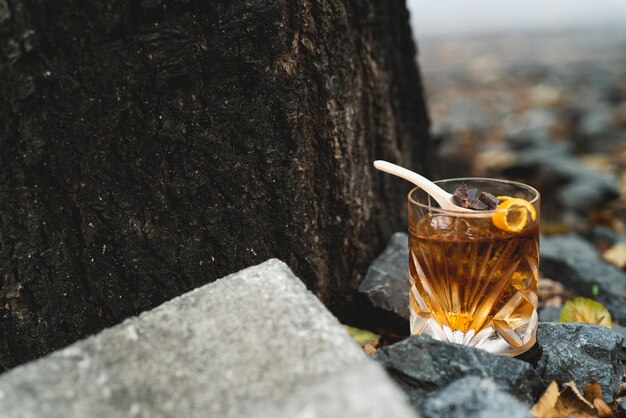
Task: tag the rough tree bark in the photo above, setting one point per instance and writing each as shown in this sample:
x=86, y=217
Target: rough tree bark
x=148, y=147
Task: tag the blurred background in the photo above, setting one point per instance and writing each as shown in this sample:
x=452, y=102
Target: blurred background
x=533, y=91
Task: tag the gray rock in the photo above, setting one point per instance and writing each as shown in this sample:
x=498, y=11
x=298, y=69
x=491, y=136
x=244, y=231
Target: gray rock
x=538, y=118
x=572, y=169
x=531, y=138
x=473, y=397
x=466, y=114
x=587, y=187
x=597, y=121
x=421, y=365
x=621, y=331
x=581, y=275
x=580, y=352
x=386, y=283
x=584, y=187
x=583, y=195
x=549, y=314
x=533, y=157
x=570, y=245
x=251, y=342
x=605, y=236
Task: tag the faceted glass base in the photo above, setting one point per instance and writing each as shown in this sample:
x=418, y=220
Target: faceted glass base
x=496, y=337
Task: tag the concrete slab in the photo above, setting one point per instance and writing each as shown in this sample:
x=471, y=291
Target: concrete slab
x=255, y=343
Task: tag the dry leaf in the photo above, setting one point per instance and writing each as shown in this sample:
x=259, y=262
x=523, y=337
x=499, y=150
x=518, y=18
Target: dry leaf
x=574, y=389
x=556, y=301
x=593, y=393
x=603, y=409
x=551, y=292
x=601, y=162
x=606, y=218
x=555, y=228
x=593, y=390
x=493, y=160
x=545, y=406
x=369, y=349
x=548, y=287
x=616, y=255
x=572, y=402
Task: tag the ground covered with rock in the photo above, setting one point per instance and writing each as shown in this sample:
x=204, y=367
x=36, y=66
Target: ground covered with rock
x=431, y=372
x=555, y=120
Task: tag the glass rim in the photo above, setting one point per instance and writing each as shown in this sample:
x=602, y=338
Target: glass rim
x=481, y=213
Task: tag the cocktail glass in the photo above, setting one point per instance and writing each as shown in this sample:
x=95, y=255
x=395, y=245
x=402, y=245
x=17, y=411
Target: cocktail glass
x=474, y=282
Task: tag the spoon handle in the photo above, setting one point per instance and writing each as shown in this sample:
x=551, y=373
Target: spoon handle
x=441, y=196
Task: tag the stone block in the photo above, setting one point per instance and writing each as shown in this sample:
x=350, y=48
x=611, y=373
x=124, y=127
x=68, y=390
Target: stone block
x=251, y=342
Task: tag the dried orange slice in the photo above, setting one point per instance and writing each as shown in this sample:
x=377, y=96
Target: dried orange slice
x=512, y=214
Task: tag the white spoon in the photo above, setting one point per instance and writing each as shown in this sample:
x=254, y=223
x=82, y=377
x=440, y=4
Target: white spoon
x=442, y=197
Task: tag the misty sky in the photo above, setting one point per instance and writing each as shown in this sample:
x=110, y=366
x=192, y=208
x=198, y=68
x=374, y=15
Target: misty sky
x=436, y=17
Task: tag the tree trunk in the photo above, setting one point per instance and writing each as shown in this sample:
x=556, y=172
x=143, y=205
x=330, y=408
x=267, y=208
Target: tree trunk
x=149, y=147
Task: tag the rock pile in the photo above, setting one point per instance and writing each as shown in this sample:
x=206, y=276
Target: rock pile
x=448, y=380
x=569, y=259
x=422, y=365
x=581, y=353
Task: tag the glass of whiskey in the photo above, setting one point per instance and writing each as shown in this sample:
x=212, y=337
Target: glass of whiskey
x=474, y=274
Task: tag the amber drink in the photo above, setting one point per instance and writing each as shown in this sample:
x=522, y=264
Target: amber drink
x=474, y=275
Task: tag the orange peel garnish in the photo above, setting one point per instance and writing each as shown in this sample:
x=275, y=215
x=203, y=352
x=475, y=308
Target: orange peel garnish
x=520, y=207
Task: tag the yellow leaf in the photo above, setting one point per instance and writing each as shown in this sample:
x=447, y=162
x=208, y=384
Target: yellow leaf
x=585, y=310
x=361, y=336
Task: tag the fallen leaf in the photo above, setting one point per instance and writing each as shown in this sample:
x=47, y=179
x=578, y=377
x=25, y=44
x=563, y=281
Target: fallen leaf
x=574, y=389
x=545, y=406
x=601, y=162
x=616, y=255
x=556, y=301
x=572, y=402
x=369, y=349
x=603, y=409
x=593, y=390
x=585, y=310
x=551, y=292
x=493, y=160
x=593, y=393
x=606, y=218
x=555, y=228
x=362, y=336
